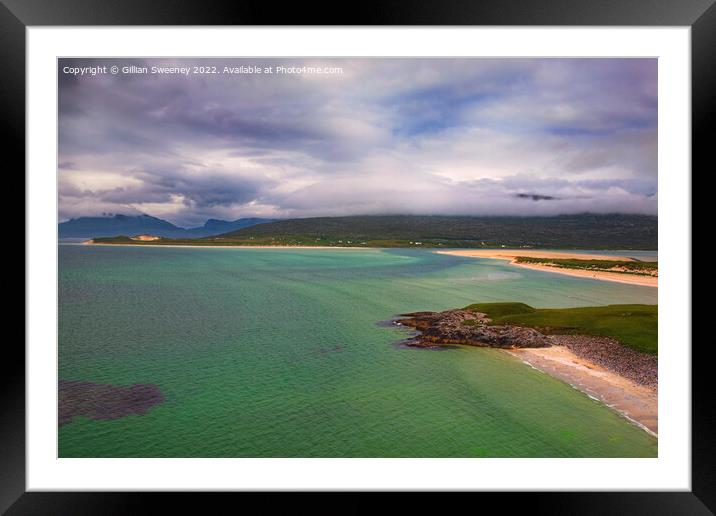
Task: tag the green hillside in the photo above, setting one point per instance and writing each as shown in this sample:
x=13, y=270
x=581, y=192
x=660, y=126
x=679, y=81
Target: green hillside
x=635, y=326
x=566, y=231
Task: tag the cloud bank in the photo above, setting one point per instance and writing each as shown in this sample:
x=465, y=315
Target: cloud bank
x=413, y=136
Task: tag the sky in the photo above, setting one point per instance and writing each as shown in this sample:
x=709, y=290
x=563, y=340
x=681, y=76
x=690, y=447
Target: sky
x=364, y=136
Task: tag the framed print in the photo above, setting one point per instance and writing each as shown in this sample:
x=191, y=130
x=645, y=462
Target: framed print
x=439, y=250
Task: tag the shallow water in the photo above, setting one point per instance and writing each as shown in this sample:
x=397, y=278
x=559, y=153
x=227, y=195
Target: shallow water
x=277, y=353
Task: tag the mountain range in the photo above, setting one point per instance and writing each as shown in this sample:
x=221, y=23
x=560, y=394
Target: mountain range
x=131, y=225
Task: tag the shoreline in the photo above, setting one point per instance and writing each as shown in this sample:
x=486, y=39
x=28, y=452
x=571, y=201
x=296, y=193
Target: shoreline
x=637, y=403
x=617, y=376
x=510, y=256
x=225, y=246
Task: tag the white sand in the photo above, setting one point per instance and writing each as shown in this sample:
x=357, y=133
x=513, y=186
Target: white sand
x=637, y=403
x=511, y=254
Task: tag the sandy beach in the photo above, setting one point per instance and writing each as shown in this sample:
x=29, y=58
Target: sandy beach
x=638, y=403
x=624, y=379
x=511, y=254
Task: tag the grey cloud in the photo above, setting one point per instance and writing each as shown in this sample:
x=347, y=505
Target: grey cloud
x=536, y=197
x=413, y=135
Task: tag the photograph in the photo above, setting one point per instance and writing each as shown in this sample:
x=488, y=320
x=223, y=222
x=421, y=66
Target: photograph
x=357, y=257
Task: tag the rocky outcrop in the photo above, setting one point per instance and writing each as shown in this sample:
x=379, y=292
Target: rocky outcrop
x=468, y=328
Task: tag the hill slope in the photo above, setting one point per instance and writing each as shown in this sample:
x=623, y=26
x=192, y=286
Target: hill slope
x=216, y=226
x=86, y=227
x=565, y=231
x=130, y=225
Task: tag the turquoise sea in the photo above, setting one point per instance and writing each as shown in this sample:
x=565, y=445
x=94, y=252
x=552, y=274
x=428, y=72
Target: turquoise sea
x=279, y=353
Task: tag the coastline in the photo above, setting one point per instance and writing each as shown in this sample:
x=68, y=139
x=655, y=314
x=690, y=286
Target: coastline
x=609, y=372
x=637, y=403
x=510, y=255
x=227, y=246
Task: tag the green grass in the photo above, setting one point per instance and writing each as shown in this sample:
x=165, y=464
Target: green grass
x=635, y=326
x=494, y=310
x=631, y=267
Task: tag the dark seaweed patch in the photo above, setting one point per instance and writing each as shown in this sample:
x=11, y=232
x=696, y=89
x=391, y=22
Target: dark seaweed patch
x=103, y=401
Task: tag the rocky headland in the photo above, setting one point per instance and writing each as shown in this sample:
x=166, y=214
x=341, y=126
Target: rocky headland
x=468, y=328
x=622, y=378
x=471, y=328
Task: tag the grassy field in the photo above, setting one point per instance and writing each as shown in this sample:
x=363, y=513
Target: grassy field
x=634, y=326
x=620, y=266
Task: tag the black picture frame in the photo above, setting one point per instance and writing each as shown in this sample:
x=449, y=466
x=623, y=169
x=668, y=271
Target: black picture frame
x=16, y=15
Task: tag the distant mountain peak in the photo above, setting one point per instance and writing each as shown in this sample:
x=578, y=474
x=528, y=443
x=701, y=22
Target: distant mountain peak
x=118, y=224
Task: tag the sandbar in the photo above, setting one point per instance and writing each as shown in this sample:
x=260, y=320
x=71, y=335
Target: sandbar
x=210, y=246
x=511, y=254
